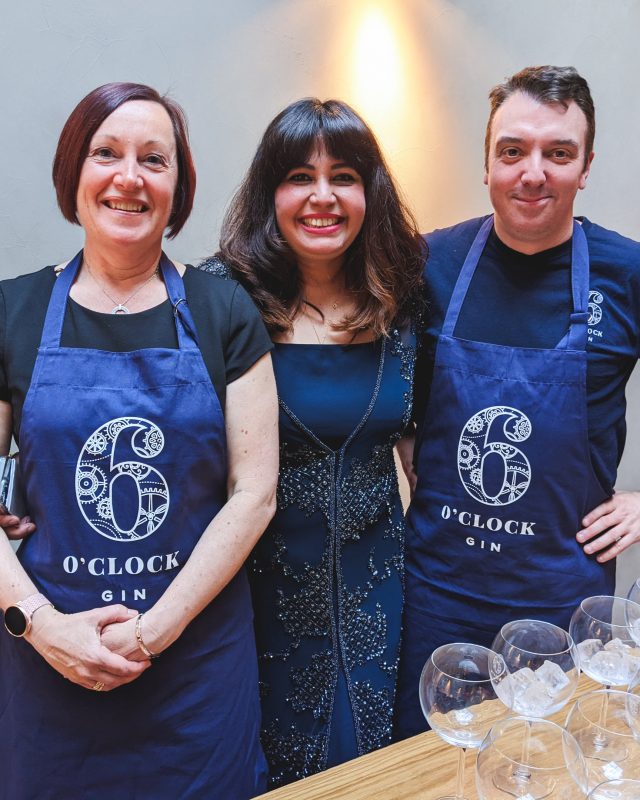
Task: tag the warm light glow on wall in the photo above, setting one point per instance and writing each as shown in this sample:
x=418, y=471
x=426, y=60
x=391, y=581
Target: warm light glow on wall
x=382, y=58
x=377, y=66
x=388, y=82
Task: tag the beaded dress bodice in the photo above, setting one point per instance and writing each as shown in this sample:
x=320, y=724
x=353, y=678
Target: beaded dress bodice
x=327, y=575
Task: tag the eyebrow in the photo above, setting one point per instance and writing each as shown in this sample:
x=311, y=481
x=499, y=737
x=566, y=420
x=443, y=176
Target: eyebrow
x=337, y=165
x=567, y=142
x=148, y=143
x=554, y=143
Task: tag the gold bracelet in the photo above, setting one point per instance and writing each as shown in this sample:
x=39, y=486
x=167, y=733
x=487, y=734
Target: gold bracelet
x=141, y=643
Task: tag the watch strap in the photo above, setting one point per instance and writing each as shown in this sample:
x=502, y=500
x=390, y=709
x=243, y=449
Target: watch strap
x=20, y=625
x=32, y=603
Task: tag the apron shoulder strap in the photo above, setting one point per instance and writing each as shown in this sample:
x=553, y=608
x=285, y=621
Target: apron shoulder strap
x=185, y=326
x=576, y=338
x=54, y=319
x=465, y=276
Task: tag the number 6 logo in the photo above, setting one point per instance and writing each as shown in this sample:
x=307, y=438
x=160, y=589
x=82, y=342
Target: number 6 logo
x=475, y=446
x=595, y=308
x=97, y=473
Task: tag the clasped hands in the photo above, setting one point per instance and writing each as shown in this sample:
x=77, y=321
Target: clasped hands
x=96, y=648
x=90, y=648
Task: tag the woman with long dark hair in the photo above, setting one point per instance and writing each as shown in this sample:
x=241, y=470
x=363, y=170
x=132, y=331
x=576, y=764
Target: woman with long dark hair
x=321, y=240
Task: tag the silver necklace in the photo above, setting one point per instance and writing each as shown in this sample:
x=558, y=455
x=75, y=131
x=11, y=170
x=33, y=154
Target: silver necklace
x=121, y=307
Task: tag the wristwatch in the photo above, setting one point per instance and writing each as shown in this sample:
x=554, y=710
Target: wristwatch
x=17, y=618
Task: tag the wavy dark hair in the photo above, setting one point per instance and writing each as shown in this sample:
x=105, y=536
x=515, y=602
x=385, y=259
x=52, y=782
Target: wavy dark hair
x=384, y=263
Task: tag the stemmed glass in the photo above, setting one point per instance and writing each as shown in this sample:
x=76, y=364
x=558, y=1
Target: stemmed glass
x=619, y=756
x=541, y=672
x=606, y=631
x=553, y=760
x=458, y=699
x=616, y=790
x=534, y=673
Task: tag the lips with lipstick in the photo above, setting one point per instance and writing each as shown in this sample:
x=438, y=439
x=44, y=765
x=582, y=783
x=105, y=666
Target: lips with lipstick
x=126, y=205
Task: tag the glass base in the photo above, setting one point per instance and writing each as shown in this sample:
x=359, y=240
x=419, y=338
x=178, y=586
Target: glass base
x=521, y=783
x=597, y=745
x=453, y=797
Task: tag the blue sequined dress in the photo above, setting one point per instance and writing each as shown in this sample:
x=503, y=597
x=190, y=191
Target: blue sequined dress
x=327, y=576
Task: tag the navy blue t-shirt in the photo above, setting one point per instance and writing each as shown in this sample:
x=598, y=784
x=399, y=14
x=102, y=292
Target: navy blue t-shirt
x=525, y=301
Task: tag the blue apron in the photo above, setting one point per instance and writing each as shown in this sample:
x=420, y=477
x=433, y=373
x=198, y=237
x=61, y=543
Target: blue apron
x=124, y=460
x=504, y=480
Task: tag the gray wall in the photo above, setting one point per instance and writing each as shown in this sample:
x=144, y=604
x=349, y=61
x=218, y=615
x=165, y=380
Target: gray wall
x=419, y=70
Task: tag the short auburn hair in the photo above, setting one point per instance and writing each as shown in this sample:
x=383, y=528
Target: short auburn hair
x=84, y=121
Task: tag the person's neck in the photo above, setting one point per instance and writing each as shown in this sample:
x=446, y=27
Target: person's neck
x=322, y=282
x=531, y=246
x=122, y=264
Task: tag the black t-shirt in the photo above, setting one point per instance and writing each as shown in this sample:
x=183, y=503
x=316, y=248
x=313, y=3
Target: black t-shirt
x=231, y=335
x=525, y=301
x=504, y=282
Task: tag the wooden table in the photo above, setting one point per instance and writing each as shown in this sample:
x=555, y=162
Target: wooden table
x=420, y=768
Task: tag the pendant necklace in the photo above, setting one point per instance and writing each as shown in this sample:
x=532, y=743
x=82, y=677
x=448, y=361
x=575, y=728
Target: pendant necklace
x=121, y=307
x=334, y=307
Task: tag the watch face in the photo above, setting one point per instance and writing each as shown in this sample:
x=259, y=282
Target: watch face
x=15, y=621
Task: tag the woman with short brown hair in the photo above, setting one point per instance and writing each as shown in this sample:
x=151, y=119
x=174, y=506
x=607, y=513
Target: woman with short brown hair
x=130, y=382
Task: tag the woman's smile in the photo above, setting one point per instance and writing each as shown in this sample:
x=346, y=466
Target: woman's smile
x=320, y=207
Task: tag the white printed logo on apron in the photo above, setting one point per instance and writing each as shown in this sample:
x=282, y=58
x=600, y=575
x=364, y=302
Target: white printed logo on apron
x=97, y=473
x=595, y=310
x=595, y=333
x=480, y=439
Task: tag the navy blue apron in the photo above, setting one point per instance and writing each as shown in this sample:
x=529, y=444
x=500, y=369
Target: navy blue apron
x=125, y=464
x=504, y=480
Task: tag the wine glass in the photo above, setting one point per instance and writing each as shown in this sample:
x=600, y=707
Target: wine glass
x=606, y=631
x=458, y=699
x=534, y=673
x=541, y=673
x=616, y=790
x=552, y=761
x=615, y=753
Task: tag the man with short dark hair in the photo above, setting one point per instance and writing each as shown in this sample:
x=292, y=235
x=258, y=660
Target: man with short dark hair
x=533, y=332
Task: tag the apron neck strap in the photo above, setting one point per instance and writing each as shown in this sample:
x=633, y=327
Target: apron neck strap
x=576, y=337
x=465, y=276
x=185, y=326
x=54, y=319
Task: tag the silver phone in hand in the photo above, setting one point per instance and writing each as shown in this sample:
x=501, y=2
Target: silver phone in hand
x=11, y=495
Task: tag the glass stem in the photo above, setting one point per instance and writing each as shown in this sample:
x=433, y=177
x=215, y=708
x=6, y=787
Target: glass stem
x=460, y=777
x=600, y=739
x=522, y=773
